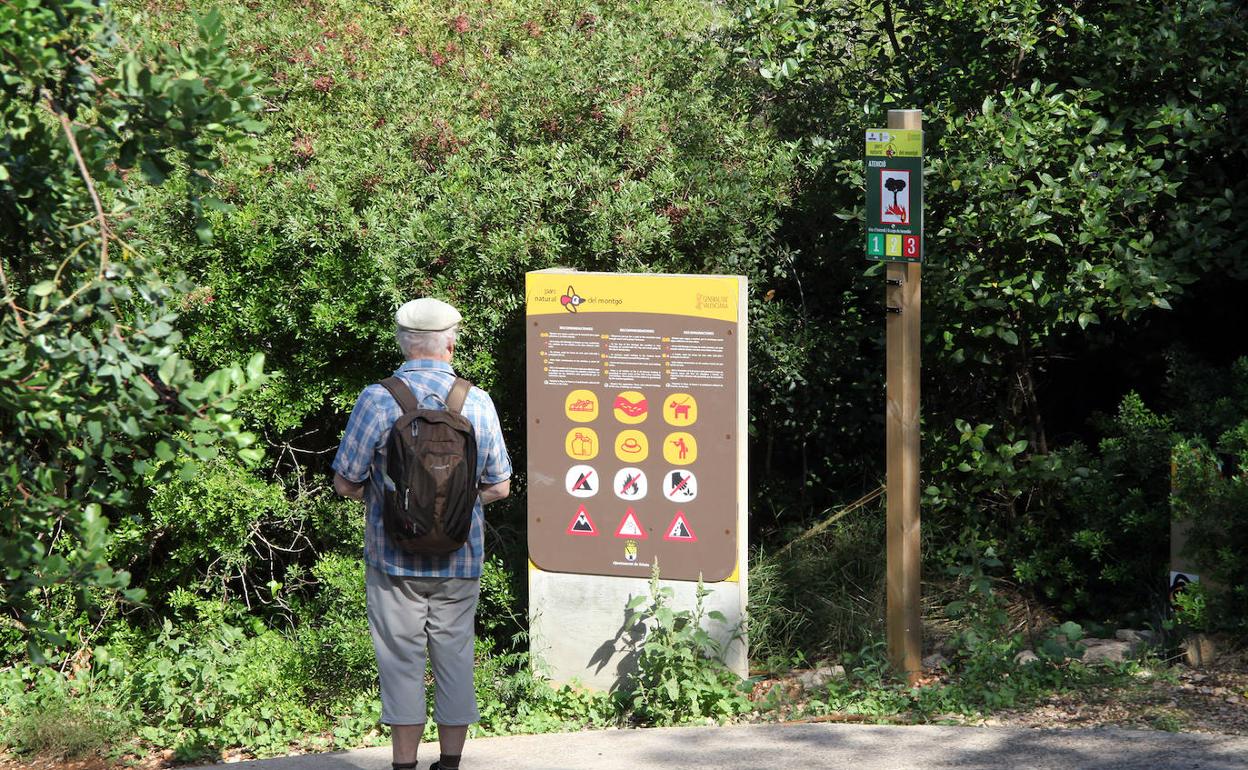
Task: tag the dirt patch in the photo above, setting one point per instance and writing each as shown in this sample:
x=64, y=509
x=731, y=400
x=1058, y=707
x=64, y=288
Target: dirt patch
x=1180, y=699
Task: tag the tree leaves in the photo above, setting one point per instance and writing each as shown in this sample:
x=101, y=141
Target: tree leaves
x=94, y=403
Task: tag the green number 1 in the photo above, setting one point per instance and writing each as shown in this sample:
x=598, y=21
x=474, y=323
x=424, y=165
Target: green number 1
x=875, y=245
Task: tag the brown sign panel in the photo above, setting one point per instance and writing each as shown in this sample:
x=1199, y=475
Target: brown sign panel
x=634, y=398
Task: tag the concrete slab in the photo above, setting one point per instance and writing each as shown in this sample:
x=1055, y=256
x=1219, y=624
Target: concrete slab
x=863, y=747
x=577, y=631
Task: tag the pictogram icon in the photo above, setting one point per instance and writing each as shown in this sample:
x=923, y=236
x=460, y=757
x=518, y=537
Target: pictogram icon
x=680, y=409
x=680, y=448
x=631, y=407
x=581, y=444
x=582, y=524
x=630, y=484
x=581, y=481
x=680, y=530
x=581, y=406
x=680, y=486
x=632, y=446
x=630, y=527
x=895, y=210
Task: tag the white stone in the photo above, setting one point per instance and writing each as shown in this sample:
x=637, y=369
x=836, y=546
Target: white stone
x=1025, y=657
x=1106, y=651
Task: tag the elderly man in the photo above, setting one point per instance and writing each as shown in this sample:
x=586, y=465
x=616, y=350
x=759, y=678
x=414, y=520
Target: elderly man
x=418, y=603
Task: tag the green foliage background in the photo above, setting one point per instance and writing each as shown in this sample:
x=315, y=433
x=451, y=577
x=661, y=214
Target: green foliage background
x=1086, y=191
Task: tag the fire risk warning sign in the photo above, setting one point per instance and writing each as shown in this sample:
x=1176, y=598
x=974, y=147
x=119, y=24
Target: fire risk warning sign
x=894, y=174
x=634, y=422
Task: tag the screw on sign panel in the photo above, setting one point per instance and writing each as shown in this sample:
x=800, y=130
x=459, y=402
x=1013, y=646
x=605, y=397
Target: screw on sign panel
x=630, y=527
x=680, y=529
x=582, y=524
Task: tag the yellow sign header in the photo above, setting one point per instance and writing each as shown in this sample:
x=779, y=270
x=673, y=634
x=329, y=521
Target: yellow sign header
x=894, y=142
x=700, y=296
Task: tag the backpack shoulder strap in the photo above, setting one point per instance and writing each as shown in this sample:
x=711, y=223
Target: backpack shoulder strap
x=403, y=394
x=459, y=393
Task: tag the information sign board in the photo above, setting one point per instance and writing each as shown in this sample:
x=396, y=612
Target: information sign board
x=634, y=417
x=894, y=172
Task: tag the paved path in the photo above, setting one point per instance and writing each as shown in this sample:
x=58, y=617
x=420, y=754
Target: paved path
x=798, y=747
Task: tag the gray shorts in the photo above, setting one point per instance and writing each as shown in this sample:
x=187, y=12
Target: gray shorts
x=406, y=615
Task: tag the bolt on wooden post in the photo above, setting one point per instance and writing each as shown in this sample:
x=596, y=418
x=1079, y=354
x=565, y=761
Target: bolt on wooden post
x=894, y=173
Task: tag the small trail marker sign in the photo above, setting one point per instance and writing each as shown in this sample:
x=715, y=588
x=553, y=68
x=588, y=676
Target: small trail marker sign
x=894, y=172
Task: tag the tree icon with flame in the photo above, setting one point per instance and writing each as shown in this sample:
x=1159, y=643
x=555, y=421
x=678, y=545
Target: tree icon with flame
x=895, y=185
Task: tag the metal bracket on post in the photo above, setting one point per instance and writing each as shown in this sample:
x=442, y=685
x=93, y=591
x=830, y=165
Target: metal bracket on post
x=891, y=309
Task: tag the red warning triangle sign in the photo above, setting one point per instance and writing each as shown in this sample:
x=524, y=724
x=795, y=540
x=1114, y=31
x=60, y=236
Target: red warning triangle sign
x=630, y=527
x=582, y=524
x=679, y=529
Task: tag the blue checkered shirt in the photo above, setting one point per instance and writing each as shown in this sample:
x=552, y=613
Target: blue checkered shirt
x=362, y=455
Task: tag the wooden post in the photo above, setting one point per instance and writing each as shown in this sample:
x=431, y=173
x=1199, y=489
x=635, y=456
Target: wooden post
x=903, y=292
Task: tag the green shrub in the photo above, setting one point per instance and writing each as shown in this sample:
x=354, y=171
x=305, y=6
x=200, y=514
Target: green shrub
x=216, y=689
x=334, y=655
x=513, y=699
x=1215, y=506
x=46, y=714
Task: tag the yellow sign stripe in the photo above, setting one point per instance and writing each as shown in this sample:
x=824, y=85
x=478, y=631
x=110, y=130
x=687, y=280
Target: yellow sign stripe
x=570, y=293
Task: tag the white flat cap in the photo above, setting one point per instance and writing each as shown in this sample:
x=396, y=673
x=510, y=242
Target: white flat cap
x=427, y=315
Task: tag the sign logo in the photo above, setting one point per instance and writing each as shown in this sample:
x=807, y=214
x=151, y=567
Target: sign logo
x=630, y=527
x=631, y=407
x=581, y=481
x=571, y=300
x=680, y=530
x=582, y=524
x=630, y=550
x=630, y=484
x=680, y=486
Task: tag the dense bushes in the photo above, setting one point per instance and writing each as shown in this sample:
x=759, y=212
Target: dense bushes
x=1084, y=185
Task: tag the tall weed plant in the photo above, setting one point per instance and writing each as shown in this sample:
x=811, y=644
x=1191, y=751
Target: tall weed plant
x=679, y=673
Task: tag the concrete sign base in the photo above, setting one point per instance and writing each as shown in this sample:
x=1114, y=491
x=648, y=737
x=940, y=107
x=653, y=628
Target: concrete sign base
x=577, y=631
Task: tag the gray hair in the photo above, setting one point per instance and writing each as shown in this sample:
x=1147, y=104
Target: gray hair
x=420, y=344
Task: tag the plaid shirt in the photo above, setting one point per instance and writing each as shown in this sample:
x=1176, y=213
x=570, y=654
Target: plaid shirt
x=362, y=455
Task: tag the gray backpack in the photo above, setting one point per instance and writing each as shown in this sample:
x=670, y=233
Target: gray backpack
x=431, y=473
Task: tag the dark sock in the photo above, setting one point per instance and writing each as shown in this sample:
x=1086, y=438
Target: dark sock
x=449, y=761
x=403, y=765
